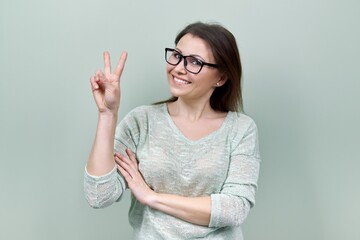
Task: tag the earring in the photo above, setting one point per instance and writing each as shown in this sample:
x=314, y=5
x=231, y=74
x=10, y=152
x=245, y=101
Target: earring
x=217, y=84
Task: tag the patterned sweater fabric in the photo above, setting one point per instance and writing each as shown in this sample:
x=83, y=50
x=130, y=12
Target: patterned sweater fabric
x=223, y=165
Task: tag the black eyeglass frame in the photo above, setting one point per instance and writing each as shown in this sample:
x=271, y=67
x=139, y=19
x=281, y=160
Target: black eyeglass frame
x=185, y=61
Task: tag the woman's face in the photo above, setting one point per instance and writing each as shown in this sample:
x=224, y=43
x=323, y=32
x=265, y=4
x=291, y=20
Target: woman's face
x=187, y=85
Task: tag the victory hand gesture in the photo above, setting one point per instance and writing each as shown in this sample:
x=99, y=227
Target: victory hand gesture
x=106, y=85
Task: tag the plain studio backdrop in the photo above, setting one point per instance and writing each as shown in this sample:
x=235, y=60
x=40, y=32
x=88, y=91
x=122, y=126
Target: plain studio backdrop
x=301, y=85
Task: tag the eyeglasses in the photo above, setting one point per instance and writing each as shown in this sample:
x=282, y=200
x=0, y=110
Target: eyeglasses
x=191, y=63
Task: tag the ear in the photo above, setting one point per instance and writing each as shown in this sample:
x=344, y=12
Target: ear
x=221, y=81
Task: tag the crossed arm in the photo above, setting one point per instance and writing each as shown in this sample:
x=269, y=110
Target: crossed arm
x=196, y=210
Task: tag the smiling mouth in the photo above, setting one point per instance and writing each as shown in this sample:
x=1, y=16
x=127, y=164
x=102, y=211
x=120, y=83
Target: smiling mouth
x=177, y=80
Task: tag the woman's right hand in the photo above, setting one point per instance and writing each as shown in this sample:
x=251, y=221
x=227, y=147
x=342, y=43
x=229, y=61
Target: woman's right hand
x=106, y=85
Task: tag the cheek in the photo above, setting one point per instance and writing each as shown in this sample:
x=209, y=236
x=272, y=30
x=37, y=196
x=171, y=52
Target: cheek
x=169, y=68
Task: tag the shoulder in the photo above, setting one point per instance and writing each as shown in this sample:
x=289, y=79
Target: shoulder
x=144, y=111
x=141, y=116
x=242, y=122
x=244, y=135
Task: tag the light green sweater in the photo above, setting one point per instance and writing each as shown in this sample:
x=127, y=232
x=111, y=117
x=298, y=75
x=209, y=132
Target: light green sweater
x=223, y=165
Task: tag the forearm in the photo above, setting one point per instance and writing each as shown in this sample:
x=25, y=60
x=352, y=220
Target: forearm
x=196, y=210
x=101, y=159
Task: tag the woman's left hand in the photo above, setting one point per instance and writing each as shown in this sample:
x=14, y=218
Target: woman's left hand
x=195, y=210
x=128, y=167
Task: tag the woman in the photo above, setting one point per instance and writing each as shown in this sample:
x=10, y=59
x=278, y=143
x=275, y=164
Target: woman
x=191, y=162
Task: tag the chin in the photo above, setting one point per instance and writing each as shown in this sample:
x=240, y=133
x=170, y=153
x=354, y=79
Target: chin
x=175, y=92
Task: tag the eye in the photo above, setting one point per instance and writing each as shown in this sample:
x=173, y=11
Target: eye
x=194, y=61
x=177, y=55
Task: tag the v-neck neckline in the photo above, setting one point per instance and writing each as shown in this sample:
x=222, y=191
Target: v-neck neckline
x=182, y=135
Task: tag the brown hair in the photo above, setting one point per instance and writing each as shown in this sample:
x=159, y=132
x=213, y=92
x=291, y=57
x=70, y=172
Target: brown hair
x=226, y=54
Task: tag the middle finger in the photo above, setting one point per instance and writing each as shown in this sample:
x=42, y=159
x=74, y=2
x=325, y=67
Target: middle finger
x=122, y=159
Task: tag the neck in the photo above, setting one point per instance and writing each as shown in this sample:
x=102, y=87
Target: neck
x=191, y=110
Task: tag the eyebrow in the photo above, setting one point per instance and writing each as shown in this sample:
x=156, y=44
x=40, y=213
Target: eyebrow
x=192, y=55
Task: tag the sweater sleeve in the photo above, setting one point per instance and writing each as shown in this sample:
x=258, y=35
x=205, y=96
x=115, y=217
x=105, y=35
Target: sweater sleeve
x=102, y=191
x=231, y=206
x=128, y=132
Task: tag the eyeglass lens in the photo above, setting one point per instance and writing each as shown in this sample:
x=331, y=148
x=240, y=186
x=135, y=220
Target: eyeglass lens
x=192, y=64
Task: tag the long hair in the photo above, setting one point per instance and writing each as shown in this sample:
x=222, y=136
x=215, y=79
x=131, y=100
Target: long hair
x=228, y=97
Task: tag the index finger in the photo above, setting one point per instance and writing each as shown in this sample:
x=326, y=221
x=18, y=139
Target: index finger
x=107, y=65
x=120, y=66
x=131, y=155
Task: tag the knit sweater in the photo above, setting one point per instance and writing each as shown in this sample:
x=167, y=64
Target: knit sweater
x=223, y=165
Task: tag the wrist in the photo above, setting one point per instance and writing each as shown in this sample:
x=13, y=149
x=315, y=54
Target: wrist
x=152, y=200
x=108, y=115
x=108, y=119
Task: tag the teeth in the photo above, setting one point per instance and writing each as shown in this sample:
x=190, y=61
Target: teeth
x=181, y=81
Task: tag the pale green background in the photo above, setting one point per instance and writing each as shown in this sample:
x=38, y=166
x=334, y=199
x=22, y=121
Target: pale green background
x=301, y=85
